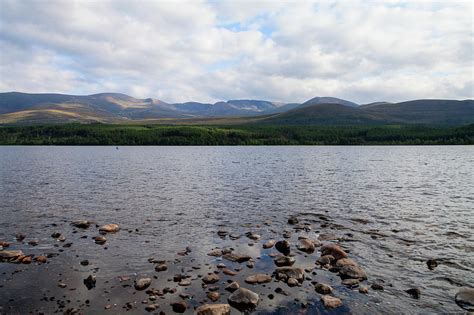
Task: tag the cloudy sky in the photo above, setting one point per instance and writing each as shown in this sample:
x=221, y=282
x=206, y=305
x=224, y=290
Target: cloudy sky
x=177, y=51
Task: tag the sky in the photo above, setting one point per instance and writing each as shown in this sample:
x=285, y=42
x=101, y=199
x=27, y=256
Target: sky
x=285, y=51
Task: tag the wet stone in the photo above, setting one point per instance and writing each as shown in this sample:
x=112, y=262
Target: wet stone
x=351, y=283
x=213, y=296
x=285, y=273
x=212, y=278
x=306, y=245
x=236, y=257
x=325, y=260
x=333, y=250
x=283, y=247
x=161, y=267
x=377, y=287
x=352, y=272
x=258, y=278
x=432, y=264
x=363, y=290
x=414, y=292
x=323, y=288
x=179, y=307
x=229, y=272
x=142, y=284
x=269, y=244
x=330, y=301
x=284, y=261
x=243, y=299
x=90, y=282
x=109, y=228
x=232, y=286
x=213, y=309
x=464, y=298
x=82, y=224
x=84, y=262
x=99, y=239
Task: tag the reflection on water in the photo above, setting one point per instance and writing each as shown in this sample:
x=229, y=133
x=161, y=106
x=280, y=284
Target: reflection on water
x=395, y=207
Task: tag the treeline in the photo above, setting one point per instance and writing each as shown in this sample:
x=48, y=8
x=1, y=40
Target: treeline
x=100, y=134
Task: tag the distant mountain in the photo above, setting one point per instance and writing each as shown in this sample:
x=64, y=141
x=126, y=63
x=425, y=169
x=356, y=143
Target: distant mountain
x=437, y=112
x=328, y=100
x=18, y=107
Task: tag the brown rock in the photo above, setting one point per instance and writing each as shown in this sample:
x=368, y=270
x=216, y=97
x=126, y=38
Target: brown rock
x=41, y=259
x=283, y=247
x=229, y=272
x=161, y=267
x=213, y=309
x=330, y=301
x=363, y=289
x=6, y=255
x=258, y=278
x=4, y=244
x=323, y=288
x=179, y=307
x=292, y=282
x=236, y=257
x=212, y=278
x=243, y=299
x=284, y=261
x=232, y=286
x=26, y=260
x=333, y=250
x=352, y=272
x=464, y=298
x=215, y=253
x=109, y=228
x=285, y=273
x=99, y=239
x=213, y=296
x=345, y=262
x=185, y=282
x=142, y=284
x=306, y=245
x=269, y=244
x=325, y=260
x=82, y=224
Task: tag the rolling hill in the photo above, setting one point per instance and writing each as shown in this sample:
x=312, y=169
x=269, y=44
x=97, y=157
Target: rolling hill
x=24, y=108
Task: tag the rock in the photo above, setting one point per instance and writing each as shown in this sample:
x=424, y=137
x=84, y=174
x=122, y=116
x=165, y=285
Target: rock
x=306, y=245
x=33, y=243
x=142, y=284
x=161, y=267
x=6, y=255
x=258, y=278
x=352, y=272
x=236, y=257
x=213, y=296
x=330, y=301
x=232, y=286
x=26, y=260
x=285, y=273
x=292, y=220
x=41, y=259
x=90, y=282
x=323, y=288
x=377, y=287
x=292, y=282
x=269, y=244
x=61, y=238
x=284, y=261
x=325, y=260
x=253, y=236
x=363, y=289
x=283, y=247
x=351, y=283
x=432, y=264
x=222, y=233
x=185, y=282
x=4, y=244
x=229, y=272
x=151, y=307
x=179, y=307
x=55, y=235
x=212, y=278
x=215, y=253
x=345, y=262
x=465, y=299
x=82, y=224
x=99, y=239
x=20, y=237
x=84, y=262
x=109, y=228
x=250, y=264
x=243, y=299
x=333, y=250
x=414, y=292
x=213, y=309
x=62, y=285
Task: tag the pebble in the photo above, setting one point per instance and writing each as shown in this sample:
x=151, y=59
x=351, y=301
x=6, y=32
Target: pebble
x=377, y=287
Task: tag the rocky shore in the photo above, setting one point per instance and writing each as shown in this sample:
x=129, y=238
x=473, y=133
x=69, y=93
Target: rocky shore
x=302, y=270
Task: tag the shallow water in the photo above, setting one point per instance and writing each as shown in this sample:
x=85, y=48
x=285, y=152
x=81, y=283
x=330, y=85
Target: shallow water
x=394, y=207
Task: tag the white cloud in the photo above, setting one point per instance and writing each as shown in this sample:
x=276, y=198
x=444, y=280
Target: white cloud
x=207, y=51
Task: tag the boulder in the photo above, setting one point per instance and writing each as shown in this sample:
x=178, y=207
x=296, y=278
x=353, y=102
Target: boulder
x=283, y=247
x=323, y=288
x=213, y=309
x=243, y=299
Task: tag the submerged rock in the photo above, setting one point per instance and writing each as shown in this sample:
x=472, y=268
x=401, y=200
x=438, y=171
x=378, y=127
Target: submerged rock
x=306, y=245
x=325, y=260
x=7, y=255
x=243, y=299
x=323, y=288
x=432, y=264
x=293, y=220
x=215, y=253
x=161, y=267
x=82, y=224
x=179, y=307
x=213, y=296
x=465, y=299
x=236, y=257
x=142, y=284
x=363, y=289
x=213, y=309
x=109, y=228
x=41, y=259
x=414, y=292
x=330, y=301
x=90, y=282
x=258, y=278
x=253, y=236
x=212, y=278
x=333, y=250
x=99, y=239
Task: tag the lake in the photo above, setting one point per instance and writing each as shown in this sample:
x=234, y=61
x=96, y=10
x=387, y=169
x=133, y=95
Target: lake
x=392, y=208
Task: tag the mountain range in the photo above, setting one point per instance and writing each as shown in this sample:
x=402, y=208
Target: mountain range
x=18, y=108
